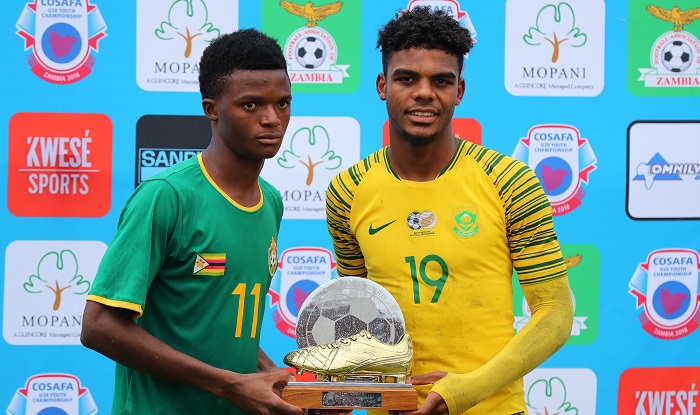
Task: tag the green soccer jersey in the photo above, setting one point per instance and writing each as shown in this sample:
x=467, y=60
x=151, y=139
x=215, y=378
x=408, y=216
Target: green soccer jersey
x=194, y=267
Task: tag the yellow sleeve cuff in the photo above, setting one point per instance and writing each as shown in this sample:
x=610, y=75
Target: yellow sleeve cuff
x=442, y=388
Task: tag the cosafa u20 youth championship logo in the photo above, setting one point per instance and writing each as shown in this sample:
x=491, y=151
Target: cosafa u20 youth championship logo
x=63, y=37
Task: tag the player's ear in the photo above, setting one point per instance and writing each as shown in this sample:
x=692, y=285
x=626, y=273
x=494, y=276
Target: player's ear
x=209, y=107
x=381, y=86
x=461, y=87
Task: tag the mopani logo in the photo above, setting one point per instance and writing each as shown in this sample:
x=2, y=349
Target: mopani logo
x=60, y=164
x=315, y=150
x=46, y=283
x=62, y=34
x=186, y=21
x=565, y=48
x=57, y=272
x=310, y=147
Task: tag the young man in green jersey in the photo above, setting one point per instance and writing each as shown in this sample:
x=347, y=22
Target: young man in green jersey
x=179, y=296
x=441, y=223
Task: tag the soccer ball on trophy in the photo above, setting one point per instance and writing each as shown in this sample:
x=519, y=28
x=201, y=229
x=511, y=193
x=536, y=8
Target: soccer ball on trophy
x=677, y=56
x=310, y=52
x=344, y=307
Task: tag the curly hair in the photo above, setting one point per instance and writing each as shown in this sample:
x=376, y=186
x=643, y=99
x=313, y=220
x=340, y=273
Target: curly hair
x=424, y=29
x=247, y=49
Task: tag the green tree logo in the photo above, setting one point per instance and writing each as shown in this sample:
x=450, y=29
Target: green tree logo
x=57, y=272
x=556, y=25
x=187, y=19
x=548, y=397
x=310, y=147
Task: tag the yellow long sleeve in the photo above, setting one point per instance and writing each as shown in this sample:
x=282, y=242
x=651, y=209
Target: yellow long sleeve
x=547, y=331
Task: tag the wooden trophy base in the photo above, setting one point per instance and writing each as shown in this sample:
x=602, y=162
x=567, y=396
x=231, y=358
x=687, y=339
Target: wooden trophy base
x=351, y=395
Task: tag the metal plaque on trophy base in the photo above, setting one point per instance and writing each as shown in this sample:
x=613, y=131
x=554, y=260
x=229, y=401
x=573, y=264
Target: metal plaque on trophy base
x=354, y=395
x=351, y=334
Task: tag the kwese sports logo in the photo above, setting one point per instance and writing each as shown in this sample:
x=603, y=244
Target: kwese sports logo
x=62, y=36
x=59, y=165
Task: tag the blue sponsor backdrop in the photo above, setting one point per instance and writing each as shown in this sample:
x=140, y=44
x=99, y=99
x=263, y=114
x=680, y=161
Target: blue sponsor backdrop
x=600, y=219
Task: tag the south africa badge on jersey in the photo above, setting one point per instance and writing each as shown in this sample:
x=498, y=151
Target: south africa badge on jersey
x=272, y=256
x=466, y=222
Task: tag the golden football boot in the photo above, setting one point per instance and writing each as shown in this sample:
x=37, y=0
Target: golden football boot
x=358, y=356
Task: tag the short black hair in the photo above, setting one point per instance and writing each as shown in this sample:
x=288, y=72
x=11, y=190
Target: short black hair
x=424, y=29
x=247, y=49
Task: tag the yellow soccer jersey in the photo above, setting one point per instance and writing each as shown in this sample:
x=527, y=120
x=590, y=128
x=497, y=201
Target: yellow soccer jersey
x=445, y=249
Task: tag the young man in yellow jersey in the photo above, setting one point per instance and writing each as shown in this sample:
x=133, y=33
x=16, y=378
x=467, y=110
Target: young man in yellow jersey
x=441, y=223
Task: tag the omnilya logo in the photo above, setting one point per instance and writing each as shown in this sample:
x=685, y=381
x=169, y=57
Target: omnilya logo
x=663, y=48
x=583, y=267
x=171, y=36
x=560, y=391
x=315, y=149
x=63, y=36
x=187, y=19
x=329, y=30
x=46, y=283
x=663, y=170
x=657, y=168
x=565, y=44
x=310, y=147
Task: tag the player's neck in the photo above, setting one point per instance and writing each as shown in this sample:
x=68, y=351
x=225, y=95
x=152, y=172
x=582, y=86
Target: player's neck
x=236, y=177
x=421, y=163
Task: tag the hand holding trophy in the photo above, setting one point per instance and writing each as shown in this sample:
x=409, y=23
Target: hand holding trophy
x=351, y=334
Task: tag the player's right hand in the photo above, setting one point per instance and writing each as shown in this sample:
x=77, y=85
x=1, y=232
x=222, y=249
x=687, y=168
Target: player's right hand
x=257, y=393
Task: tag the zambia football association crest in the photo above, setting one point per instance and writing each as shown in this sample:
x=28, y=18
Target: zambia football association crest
x=63, y=37
x=322, y=42
x=664, y=50
x=666, y=288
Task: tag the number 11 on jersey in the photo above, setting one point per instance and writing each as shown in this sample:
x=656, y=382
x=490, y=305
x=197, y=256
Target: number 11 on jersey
x=240, y=291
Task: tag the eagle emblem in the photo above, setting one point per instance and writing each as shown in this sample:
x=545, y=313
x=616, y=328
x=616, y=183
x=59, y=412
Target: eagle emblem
x=676, y=16
x=311, y=13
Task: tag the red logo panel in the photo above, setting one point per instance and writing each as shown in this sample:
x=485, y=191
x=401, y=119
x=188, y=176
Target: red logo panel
x=671, y=390
x=60, y=165
x=466, y=128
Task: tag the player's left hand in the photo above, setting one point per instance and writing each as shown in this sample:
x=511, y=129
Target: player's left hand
x=434, y=404
x=427, y=379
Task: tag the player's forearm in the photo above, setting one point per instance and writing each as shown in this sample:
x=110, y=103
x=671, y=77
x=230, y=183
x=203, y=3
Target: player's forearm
x=110, y=332
x=548, y=330
x=265, y=364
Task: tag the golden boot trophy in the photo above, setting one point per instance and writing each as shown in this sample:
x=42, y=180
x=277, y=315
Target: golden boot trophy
x=351, y=334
